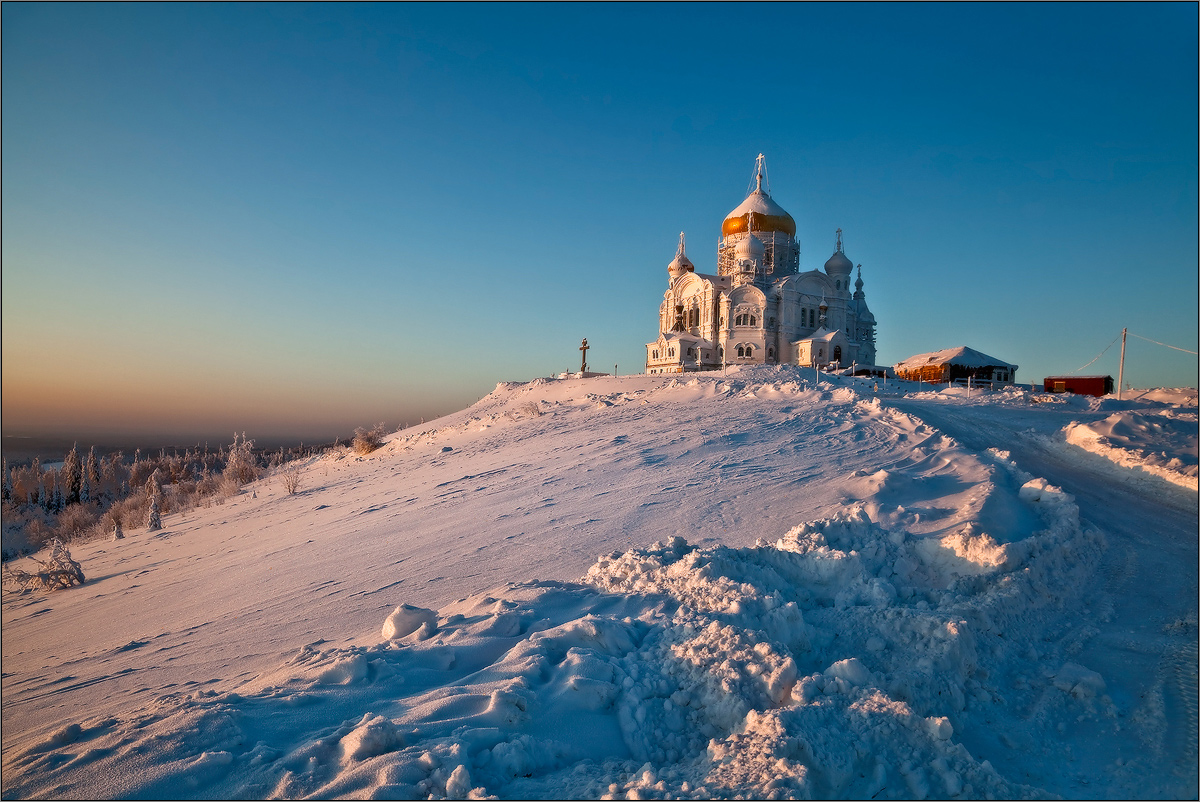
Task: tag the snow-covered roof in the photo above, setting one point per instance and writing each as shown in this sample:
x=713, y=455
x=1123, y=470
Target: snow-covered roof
x=820, y=335
x=838, y=263
x=750, y=246
x=683, y=337
x=962, y=356
x=768, y=216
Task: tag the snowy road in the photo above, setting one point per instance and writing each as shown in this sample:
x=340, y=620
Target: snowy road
x=1147, y=635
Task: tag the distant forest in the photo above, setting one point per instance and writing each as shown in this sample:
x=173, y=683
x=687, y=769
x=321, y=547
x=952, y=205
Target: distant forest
x=91, y=497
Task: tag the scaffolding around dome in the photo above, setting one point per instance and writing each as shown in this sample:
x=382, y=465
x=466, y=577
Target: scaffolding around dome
x=758, y=307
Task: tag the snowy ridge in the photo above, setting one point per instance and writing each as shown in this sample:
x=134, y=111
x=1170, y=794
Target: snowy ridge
x=803, y=591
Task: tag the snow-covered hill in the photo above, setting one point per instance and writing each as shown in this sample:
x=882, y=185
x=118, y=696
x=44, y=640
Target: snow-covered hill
x=650, y=587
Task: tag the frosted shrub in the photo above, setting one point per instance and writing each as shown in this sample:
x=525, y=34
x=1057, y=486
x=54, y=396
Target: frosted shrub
x=531, y=409
x=59, y=571
x=367, y=440
x=74, y=521
x=129, y=511
x=241, y=467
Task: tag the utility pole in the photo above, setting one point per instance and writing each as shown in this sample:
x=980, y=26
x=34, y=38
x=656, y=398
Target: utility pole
x=1121, y=367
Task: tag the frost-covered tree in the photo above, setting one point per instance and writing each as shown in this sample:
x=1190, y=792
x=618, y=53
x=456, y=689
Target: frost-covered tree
x=153, y=517
x=91, y=476
x=37, y=483
x=72, y=474
x=6, y=489
x=241, y=467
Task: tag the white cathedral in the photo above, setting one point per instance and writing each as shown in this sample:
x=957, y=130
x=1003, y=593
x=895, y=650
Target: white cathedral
x=759, y=308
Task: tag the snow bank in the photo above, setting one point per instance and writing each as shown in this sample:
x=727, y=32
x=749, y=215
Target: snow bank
x=840, y=661
x=1163, y=444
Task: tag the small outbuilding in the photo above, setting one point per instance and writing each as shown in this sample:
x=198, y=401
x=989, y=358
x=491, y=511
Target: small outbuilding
x=956, y=364
x=1080, y=385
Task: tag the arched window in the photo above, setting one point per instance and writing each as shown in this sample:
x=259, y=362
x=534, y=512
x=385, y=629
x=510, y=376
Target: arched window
x=741, y=351
x=721, y=352
x=691, y=352
x=837, y=353
x=749, y=351
x=838, y=283
x=770, y=353
x=654, y=354
x=753, y=321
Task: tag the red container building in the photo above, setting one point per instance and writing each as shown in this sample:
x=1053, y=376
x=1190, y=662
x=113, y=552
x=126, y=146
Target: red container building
x=1080, y=385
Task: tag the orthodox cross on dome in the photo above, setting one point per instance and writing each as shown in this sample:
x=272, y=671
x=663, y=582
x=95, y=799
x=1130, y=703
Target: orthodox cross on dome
x=839, y=241
x=760, y=175
x=583, y=361
x=680, y=252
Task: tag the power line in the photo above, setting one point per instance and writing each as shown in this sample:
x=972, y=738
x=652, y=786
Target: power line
x=1156, y=342
x=1110, y=345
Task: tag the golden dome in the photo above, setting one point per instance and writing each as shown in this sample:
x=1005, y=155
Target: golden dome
x=768, y=215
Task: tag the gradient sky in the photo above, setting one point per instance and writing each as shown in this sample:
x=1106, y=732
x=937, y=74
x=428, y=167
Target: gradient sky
x=296, y=219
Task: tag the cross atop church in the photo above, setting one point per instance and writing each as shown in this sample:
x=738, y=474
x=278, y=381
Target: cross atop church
x=839, y=240
x=583, y=361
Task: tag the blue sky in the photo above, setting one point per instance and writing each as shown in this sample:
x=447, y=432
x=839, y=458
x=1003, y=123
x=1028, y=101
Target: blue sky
x=295, y=219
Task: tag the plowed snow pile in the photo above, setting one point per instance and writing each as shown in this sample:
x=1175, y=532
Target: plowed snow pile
x=801, y=591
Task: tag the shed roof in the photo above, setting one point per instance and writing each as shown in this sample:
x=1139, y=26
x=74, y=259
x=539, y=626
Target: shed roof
x=961, y=356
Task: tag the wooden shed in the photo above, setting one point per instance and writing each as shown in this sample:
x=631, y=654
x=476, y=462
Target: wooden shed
x=1080, y=385
x=956, y=364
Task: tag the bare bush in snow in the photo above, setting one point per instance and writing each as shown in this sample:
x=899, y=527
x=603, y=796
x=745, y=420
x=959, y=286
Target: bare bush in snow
x=367, y=440
x=290, y=475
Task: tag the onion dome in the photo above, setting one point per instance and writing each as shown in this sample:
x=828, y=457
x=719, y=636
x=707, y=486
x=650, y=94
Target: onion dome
x=838, y=263
x=750, y=247
x=680, y=264
x=767, y=214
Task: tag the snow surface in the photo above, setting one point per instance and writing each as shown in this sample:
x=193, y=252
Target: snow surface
x=650, y=586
